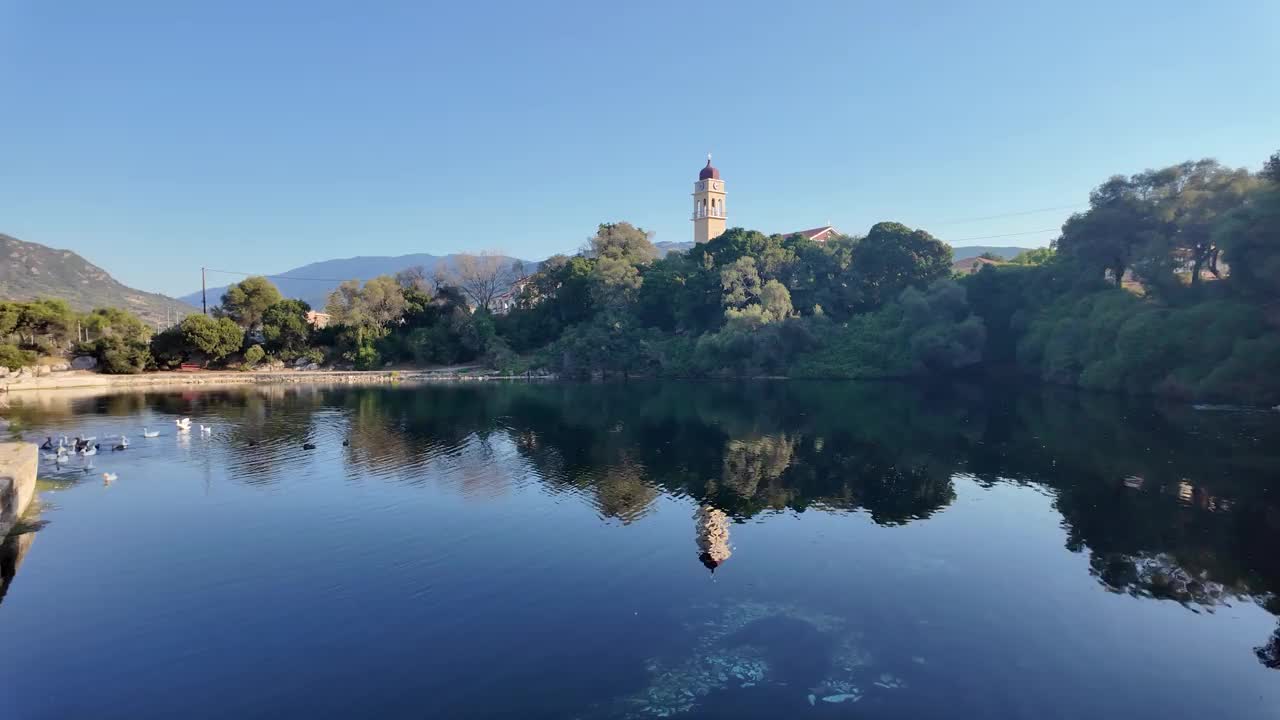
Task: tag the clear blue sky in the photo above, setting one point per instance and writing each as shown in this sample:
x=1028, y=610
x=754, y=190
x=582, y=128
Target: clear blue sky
x=156, y=137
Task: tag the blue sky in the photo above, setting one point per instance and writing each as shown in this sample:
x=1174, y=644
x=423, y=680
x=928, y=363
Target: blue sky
x=156, y=137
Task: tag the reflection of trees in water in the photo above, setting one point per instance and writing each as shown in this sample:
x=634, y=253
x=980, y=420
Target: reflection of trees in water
x=1170, y=503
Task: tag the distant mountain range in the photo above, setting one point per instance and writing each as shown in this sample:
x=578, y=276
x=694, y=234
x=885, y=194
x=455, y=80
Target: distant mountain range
x=31, y=270
x=312, y=283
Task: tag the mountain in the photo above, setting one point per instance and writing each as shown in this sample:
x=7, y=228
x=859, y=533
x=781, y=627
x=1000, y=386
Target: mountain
x=312, y=283
x=667, y=246
x=973, y=251
x=31, y=270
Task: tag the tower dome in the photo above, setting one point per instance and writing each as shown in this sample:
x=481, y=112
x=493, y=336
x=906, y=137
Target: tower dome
x=708, y=172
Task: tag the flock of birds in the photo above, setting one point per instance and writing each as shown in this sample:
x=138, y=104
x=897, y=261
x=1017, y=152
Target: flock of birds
x=64, y=449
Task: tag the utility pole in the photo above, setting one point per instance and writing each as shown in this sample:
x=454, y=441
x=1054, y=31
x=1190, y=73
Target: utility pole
x=204, y=301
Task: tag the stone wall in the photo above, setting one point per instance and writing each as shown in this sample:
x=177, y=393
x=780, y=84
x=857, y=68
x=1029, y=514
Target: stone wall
x=18, y=463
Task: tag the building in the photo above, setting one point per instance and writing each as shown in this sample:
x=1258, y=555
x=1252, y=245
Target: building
x=318, y=320
x=709, y=215
x=708, y=204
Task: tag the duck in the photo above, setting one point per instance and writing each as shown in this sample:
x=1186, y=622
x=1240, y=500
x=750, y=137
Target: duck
x=183, y=423
x=58, y=456
x=108, y=478
x=79, y=445
x=346, y=443
x=47, y=444
x=150, y=433
x=122, y=445
x=253, y=443
x=206, y=430
x=90, y=450
x=308, y=446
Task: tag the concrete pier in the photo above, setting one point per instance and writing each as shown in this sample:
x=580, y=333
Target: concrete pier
x=18, y=463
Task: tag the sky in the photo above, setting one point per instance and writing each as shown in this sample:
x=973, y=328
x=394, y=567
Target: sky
x=157, y=137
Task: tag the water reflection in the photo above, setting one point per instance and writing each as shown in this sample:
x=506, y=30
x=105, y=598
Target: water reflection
x=1168, y=503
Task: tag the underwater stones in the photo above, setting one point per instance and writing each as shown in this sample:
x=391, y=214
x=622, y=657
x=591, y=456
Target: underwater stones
x=812, y=699
x=890, y=682
x=842, y=697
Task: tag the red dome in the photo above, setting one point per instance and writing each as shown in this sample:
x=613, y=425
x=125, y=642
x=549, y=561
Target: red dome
x=709, y=172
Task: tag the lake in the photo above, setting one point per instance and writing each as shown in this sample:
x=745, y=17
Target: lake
x=642, y=550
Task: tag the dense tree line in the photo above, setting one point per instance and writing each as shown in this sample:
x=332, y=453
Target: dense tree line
x=1168, y=283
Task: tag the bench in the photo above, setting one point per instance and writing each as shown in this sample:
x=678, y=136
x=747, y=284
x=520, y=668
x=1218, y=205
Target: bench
x=189, y=367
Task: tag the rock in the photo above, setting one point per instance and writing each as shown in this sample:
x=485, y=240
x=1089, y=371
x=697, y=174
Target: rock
x=42, y=370
x=60, y=367
x=300, y=362
x=841, y=698
x=4, y=372
x=312, y=366
x=812, y=698
x=84, y=362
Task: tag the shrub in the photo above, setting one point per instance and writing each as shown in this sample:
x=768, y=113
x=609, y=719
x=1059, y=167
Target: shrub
x=13, y=357
x=121, y=356
x=254, y=355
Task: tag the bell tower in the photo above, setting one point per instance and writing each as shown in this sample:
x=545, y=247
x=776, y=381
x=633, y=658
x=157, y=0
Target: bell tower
x=708, y=204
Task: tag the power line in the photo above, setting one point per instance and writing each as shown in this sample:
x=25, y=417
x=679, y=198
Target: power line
x=1005, y=235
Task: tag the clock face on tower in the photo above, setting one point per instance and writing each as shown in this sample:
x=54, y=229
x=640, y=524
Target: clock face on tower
x=715, y=186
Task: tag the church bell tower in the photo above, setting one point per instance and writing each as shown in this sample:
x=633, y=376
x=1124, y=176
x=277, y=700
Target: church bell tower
x=708, y=204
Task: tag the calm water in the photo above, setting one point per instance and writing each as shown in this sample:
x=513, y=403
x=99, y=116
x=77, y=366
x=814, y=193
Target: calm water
x=546, y=551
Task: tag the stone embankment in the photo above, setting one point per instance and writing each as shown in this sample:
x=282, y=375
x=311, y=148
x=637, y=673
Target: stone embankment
x=18, y=463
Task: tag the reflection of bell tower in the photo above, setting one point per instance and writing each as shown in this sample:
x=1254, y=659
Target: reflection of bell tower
x=708, y=204
x=711, y=528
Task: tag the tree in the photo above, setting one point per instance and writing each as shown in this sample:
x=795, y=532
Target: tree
x=775, y=300
x=285, y=330
x=47, y=319
x=1034, y=256
x=481, y=277
x=119, y=355
x=369, y=309
x=247, y=300
x=1271, y=169
x=741, y=282
x=215, y=339
x=893, y=257
x=114, y=322
x=622, y=241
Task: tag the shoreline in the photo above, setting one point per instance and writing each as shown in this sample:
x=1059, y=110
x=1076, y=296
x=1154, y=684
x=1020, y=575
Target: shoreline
x=82, y=379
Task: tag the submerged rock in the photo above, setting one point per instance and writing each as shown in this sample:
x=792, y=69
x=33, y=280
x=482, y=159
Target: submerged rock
x=842, y=697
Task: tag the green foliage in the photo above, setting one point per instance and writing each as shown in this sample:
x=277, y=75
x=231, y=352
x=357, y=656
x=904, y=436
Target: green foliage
x=246, y=301
x=114, y=322
x=367, y=357
x=169, y=348
x=922, y=333
x=285, y=331
x=119, y=355
x=254, y=355
x=1112, y=340
x=46, y=325
x=892, y=258
x=13, y=357
x=213, y=339
x=368, y=310
x=1035, y=256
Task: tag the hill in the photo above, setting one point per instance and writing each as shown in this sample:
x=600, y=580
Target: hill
x=973, y=251
x=312, y=283
x=32, y=270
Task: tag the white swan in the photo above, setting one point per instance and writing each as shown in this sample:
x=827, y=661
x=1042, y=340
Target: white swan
x=150, y=433
x=91, y=450
x=183, y=424
x=206, y=430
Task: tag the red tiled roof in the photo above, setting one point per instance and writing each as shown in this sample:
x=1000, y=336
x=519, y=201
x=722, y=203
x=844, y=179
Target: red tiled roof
x=814, y=233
